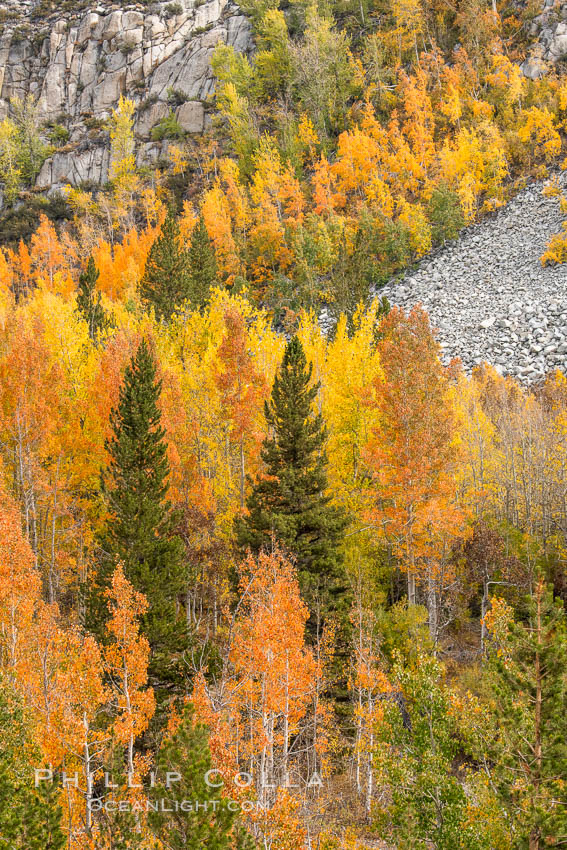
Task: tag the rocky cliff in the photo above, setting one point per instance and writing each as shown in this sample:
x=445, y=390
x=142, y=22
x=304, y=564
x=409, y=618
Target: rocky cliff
x=77, y=62
x=549, y=31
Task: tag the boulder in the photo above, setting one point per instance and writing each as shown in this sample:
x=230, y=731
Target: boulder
x=191, y=116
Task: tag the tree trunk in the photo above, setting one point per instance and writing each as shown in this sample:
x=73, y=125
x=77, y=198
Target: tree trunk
x=432, y=605
x=242, y=475
x=483, y=609
x=411, y=589
x=285, y=753
x=370, y=760
x=88, y=778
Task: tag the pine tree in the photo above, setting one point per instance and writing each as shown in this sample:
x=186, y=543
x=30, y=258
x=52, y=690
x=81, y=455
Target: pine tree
x=291, y=504
x=140, y=529
x=414, y=735
x=528, y=746
x=166, y=281
x=202, y=264
x=89, y=301
x=30, y=817
x=209, y=824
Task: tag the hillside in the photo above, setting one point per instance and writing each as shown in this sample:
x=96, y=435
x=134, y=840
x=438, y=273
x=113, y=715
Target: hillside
x=283, y=425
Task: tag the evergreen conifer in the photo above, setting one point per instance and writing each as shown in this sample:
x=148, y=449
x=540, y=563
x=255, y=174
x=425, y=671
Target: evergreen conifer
x=89, y=300
x=528, y=749
x=202, y=264
x=290, y=503
x=30, y=817
x=140, y=530
x=166, y=282
x=210, y=821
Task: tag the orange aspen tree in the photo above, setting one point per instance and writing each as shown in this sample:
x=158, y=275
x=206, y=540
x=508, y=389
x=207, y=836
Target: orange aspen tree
x=277, y=205
x=19, y=587
x=265, y=698
x=242, y=388
x=278, y=671
x=369, y=684
x=126, y=663
x=57, y=671
x=413, y=456
x=45, y=441
x=61, y=679
x=29, y=382
x=419, y=122
x=51, y=259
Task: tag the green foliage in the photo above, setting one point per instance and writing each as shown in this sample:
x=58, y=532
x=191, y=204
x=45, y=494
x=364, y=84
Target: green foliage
x=235, y=74
x=127, y=47
x=445, y=214
x=176, y=97
x=168, y=128
x=166, y=282
x=257, y=9
x=22, y=151
x=58, y=135
x=324, y=81
x=208, y=822
x=140, y=531
x=202, y=264
x=403, y=632
x=89, y=301
x=416, y=749
x=292, y=504
x=33, y=151
x=173, y=9
x=21, y=222
x=30, y=818
x=355, y=271
x=527, y=739
x=396, y=249
x=10, y=160
x=281, y=297
x=147, y=102
x=232, y=67
x=273, y=61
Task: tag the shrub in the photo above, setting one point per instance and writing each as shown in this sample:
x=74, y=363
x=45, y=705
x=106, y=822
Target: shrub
x=58, y=135
x=556, y=250
x=168, y=128
x=94, y=123
x=176, y=97
x=395, y=249
x=173, y=9
x=445, y=214
x=21, y=222
x=127, y=48
x=149, y=101
x=202, y=30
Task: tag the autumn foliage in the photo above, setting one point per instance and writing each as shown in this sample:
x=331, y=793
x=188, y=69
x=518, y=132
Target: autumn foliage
x=347, y=146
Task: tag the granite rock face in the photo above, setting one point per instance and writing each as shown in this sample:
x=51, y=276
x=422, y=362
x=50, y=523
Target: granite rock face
x=489, y=296
x=78, y=62
x=549, y=30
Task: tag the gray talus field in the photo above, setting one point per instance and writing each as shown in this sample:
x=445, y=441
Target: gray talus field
x=490, y=297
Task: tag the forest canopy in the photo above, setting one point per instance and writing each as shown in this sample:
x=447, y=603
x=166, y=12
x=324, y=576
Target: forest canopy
x=255, y=534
